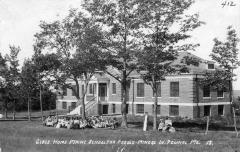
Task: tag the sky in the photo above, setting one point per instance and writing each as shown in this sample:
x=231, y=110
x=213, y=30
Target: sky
x=20, y=19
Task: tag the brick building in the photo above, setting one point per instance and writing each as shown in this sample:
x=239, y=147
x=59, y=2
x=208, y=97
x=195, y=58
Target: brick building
x=179, y=95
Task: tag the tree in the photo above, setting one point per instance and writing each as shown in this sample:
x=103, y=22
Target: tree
x=74, y=40
x=13, y=77
x=3, y=92
x=160, y=43
x=226, y=55
x=119, y=21
x=29, y=83
x=10, y=73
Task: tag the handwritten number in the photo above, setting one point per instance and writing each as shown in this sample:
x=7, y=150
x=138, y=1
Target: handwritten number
x=232, y=4
x=224, y=3
x=228, y=3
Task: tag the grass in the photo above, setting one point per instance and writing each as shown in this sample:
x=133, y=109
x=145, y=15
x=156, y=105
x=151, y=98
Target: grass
x=21, y=136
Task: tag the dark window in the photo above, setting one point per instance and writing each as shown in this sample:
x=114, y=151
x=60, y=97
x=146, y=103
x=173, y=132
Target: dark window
x=173, y=110
x=91, y=89
x=113, y=108
x=174, y=89
x=74, y=87
x=127, y=106
x=73, y=105
x=206, y=91
x=64, y=91
x=113, y=88
x=220, y=93
x=158, y=89
x=64, y=105
x=140, y=108
x=140, y=89
x=220, y=109
x=105, y=109
x=207, y=110
x=210, y=66
x=158, y=109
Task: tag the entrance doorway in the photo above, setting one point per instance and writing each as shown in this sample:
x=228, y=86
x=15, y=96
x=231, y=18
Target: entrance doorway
x=102, y=91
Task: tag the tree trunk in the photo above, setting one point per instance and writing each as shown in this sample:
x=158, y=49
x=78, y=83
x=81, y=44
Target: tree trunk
x=41, y=105
x=14, y=109
x=230, y=96
x=207, y=125
x=155, y=111
x=29, y=109
x=6, y=114
x=235, y=124
x=83, y=109
x=124, y=104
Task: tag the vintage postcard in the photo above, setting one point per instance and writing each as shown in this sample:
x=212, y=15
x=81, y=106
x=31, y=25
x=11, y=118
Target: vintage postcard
x=119, y=75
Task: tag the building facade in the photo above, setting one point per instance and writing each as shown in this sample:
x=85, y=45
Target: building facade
x=179, y=95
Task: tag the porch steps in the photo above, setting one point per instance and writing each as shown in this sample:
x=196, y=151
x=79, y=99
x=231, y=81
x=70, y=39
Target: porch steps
x=88, y=107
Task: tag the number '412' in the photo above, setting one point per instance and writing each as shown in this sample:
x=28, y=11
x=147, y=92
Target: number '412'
x=228, y=3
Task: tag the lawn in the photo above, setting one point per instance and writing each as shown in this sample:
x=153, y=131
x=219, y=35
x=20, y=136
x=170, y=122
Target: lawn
x=24, y=136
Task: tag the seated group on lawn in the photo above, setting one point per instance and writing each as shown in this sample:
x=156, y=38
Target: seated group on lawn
x=166, y=126
x=79, y=123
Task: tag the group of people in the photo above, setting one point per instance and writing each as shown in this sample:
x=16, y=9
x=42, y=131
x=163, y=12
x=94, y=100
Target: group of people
x=79, y=123
x=166, y=125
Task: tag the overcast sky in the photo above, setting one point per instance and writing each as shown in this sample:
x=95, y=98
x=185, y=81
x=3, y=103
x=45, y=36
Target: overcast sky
x=19, y=21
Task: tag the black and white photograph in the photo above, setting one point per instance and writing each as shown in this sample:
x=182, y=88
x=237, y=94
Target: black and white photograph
x=119, y=76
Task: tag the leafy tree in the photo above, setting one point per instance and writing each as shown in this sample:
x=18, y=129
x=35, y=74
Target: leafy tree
x=13, y=76
x=160, y=43
x=10, y=74
x=29, y=83
x=74, y=40
x=226, y=55
x=3, y=92
x=119, y=21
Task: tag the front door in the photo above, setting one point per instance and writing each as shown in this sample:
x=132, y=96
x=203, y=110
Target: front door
x=102, y=91
x=105, y=109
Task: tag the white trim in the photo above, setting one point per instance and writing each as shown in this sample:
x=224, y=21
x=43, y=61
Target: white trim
x=207, y=97
x=173, y=103
x=67, y=100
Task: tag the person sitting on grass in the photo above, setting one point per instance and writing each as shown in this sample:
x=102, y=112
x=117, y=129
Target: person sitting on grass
x=161, y=125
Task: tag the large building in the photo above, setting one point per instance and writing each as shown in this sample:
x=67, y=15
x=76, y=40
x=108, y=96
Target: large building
x=179, y=95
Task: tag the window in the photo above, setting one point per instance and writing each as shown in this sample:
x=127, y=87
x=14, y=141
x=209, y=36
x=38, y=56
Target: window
x=127, y=106
x=210, y=66
x=113, y=108
x=173, y=110
x=220, y=93
x=206, y=91
x=64, y=91
x=220, y=110
x=140, y=89
x=140, y=108
x=207, y=110
x=158, y=89
x=64, y=105
x=74, y=88
x=91, y=89
x=158, y=109
x=113, y=88
x=174, y=89
x=73, y=105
